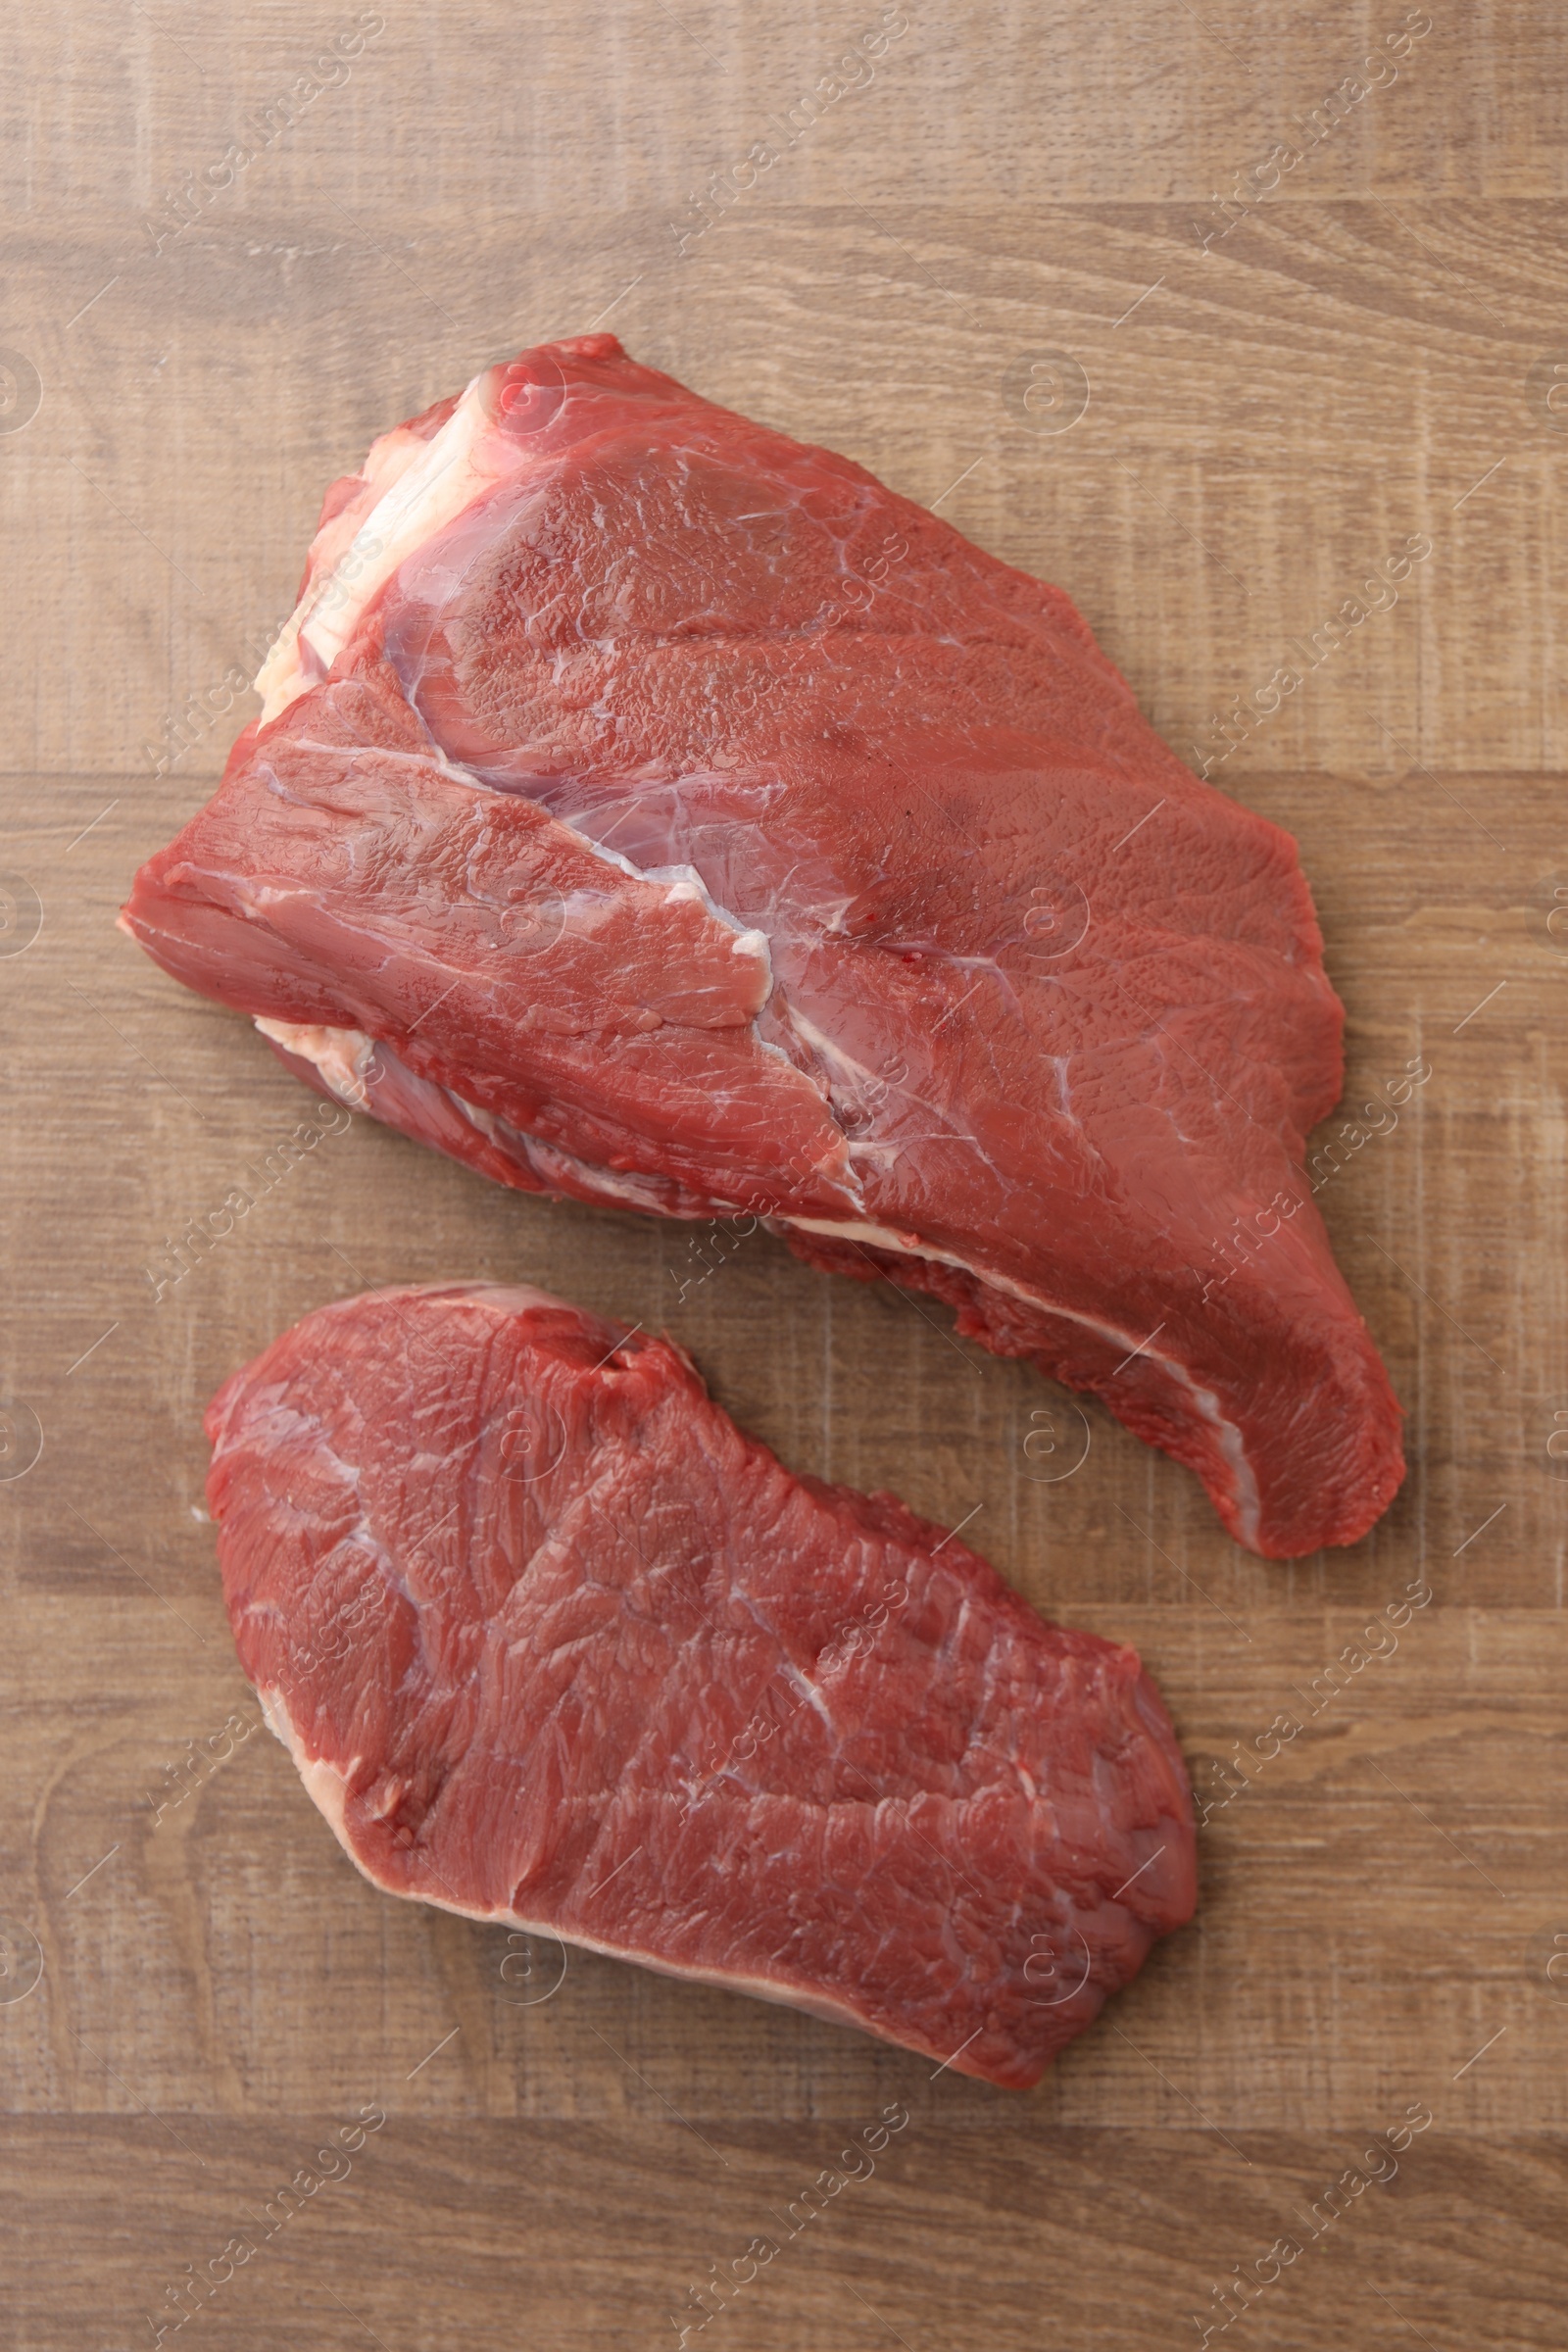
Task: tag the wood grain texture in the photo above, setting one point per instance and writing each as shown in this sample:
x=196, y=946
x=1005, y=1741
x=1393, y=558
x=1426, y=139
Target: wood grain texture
x=1363, y=355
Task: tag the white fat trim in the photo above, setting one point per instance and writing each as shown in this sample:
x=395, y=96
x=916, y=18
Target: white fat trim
x=326, y=1784
x=909, y=1244
x=386, y=461
x=342, y=1055
x=425, y=496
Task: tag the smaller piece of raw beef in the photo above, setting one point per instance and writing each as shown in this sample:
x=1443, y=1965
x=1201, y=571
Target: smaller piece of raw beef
x=553, y=1644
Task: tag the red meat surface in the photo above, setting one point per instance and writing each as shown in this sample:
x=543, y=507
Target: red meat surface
x=553, y=1643
x=652, y=809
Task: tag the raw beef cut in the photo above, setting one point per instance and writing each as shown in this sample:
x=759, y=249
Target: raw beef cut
x=649, y=809
x=553, y=1644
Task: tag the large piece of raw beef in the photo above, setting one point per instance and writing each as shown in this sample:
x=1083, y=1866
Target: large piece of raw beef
x=650, y=809
x=553, y=1644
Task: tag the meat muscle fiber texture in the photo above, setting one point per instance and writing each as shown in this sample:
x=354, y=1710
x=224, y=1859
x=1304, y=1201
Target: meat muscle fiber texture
x=553, y=1644
x=649, y=809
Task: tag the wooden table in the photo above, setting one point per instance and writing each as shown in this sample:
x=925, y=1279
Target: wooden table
x=1291, y=369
